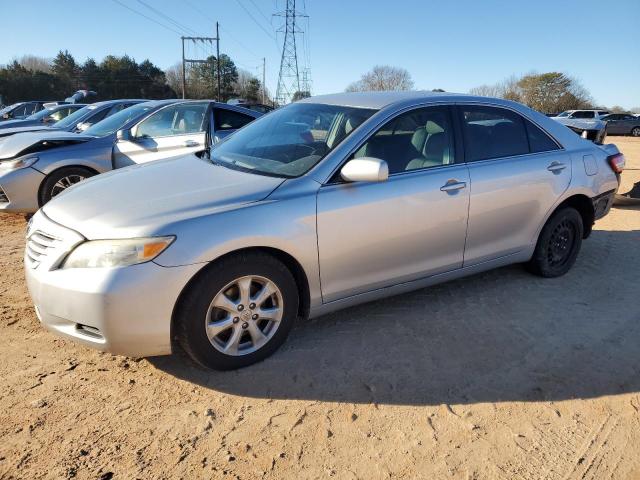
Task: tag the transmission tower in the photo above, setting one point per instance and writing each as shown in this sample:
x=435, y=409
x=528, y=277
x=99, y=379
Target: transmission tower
x=305, y=84
x=289, y=77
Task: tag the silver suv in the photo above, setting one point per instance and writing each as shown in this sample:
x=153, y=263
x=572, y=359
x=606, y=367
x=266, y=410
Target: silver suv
x=325, y=203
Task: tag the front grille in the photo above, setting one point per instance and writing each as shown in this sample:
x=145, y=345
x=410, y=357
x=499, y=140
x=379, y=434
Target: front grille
x=39, y=245
x=3, y=196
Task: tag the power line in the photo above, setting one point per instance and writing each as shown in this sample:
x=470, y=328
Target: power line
x=147, y=17
x=256, y=21
x=198, y=10
x=240, y=43
x=168, y=18
x=260, y=12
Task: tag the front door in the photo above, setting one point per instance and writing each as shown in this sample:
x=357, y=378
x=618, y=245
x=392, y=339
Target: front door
x=170, y=132
x=373, y=235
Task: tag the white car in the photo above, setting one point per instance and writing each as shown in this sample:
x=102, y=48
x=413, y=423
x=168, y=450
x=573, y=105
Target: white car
x=586, y=123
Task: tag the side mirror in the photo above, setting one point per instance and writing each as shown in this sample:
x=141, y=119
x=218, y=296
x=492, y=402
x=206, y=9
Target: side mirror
x=365, y=169
x=6, y=116
x=82, y=126
x=123, y=135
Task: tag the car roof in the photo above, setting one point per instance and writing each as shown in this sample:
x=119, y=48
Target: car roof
x=379, y=100
x=66, y=105
x=117, y=101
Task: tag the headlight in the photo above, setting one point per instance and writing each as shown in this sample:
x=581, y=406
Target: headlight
x=17, y=163
x=116, y=253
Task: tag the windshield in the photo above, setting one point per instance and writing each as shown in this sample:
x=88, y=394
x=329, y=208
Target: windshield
x=73, y=118
x=118, y=120
x=9, y=108
x=288, y=142
x=41, y=114
x=564, y=114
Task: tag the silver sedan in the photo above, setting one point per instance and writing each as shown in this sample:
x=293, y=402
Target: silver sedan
x=322, y=204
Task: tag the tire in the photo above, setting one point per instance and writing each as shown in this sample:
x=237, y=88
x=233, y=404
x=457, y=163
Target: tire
x=635, y=132
x=60, y=180
x=558, y=244
x=235, y=345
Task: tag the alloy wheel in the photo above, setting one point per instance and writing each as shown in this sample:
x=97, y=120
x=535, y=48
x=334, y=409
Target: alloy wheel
x=64, y=183
x=244, y=315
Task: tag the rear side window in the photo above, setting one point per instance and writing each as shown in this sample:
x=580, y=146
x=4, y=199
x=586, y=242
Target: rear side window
x=539, y=141
x=230, y=119
x=492, y=132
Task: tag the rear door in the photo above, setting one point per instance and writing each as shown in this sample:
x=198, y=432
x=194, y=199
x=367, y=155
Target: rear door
x=227, y=121
x=172, y=131
x=517, y=173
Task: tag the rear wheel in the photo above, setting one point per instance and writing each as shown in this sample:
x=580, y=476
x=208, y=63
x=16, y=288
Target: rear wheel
x=558, y=244
x=635, y=131
x=60, y=180
x=238, y=312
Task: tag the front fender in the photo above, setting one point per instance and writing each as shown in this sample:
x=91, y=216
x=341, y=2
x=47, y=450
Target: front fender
x=287, y=225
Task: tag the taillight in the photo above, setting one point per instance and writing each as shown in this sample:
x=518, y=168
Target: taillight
x=616, y=162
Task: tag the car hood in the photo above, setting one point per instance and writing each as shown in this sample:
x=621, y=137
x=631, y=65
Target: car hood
x=19, y=123
x=148, y=199
x=5, y=132
x=33, y=142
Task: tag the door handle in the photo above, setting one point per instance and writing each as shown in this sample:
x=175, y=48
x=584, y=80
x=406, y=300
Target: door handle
x=191, y=143
x=556, y=167
x=452, y=186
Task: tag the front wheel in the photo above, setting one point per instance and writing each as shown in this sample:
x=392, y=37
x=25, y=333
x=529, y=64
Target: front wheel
x=635, y=131
x=238, y=312
x=60, y=180
x=558, y=244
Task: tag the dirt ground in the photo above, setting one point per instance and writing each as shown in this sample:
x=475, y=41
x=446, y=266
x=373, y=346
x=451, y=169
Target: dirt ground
x=499, y=376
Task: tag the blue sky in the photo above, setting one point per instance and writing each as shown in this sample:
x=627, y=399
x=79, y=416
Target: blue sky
x=454, y=45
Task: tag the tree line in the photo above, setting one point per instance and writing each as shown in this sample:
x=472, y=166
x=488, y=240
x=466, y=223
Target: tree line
x=36, y=78
x=550, y=92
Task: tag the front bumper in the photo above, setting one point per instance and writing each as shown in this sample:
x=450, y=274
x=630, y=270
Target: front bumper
x=19, y=190
x=126, y=310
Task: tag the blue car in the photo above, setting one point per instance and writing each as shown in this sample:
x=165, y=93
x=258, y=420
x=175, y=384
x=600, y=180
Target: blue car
x=78, y=121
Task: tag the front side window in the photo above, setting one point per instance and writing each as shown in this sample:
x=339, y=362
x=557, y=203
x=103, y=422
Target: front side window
x=492, y=132
x=418, y=139
x=289, y=141
x=229, y=119
x=181, y=119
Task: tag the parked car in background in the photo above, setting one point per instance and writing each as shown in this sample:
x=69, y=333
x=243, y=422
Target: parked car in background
x=622, y=124
x=37, y=166
x=77, y=121
x=20, y=110
x=43, y=118
x=221, y=253
x=587, y=123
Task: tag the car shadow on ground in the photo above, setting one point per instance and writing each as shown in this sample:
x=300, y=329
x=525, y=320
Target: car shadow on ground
x=504, y=335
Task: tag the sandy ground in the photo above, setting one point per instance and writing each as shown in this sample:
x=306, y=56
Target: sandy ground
x=498, y=376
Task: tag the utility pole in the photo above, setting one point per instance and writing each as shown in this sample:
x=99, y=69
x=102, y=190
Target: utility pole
x=184, y=77
x=264, y=69
x=289, y=77
x=208, y=40
x=218, y=57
